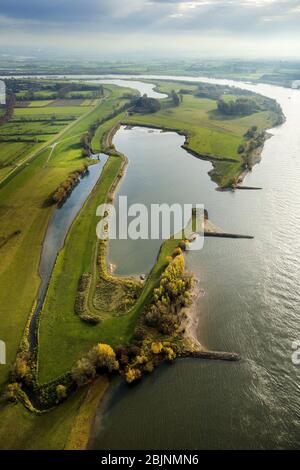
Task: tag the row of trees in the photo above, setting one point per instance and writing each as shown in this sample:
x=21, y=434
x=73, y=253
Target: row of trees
x=100, y=358
x=64, y=190
x=144, y=105
x=239, y=107
x=9, y=107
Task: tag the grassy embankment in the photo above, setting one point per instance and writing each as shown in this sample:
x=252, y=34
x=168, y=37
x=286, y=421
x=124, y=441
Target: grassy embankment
x=210, y=135
x=23, y=210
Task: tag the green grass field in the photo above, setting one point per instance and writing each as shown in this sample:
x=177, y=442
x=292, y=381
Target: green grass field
x=20, y=429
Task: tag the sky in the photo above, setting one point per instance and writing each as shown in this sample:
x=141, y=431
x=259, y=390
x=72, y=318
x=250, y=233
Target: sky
x=213, y=28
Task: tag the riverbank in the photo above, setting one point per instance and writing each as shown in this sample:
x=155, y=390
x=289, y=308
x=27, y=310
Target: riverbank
x=82, y=426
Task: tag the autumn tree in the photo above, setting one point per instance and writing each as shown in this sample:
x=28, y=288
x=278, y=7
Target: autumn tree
x=61, y=392
x=103, y=356
x=84, y=372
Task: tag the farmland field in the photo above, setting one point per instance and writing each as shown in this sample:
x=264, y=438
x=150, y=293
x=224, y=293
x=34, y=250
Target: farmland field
x=48, y=111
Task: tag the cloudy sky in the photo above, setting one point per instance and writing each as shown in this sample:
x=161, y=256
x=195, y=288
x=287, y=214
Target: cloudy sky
x=199, y=27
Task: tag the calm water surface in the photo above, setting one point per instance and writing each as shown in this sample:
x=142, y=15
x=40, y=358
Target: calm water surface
x=251, y=302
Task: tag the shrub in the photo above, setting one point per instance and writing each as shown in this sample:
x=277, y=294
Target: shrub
x=20, y=368
x=84, y=372
x=11, y=392
x=141, y=359
x=61, y=392
x=132, y=374
x=103, y=356
x=156, y=347
x=149, y=367
x=170, y=354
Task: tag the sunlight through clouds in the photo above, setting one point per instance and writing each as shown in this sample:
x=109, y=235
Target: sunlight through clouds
x=95, y=23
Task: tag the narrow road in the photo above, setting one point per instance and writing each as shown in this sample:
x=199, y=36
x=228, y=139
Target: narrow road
x=53, y=146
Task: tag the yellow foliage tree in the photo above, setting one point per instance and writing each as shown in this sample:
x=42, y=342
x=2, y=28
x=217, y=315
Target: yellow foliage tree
x=132, y=374
x=148, y=367
x=170, y=354
x=156, y=347
x=21, y=367
x=141, y=359
x=103, y=355
x=61, y=392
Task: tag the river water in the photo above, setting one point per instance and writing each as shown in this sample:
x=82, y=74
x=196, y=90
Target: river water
x=250, y=305
x=57, y=231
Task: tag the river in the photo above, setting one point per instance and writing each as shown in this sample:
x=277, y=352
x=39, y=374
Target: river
x=250, y=305
x=57, y=231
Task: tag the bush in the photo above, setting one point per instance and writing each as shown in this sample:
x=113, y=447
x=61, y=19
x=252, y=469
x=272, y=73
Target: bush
x=170, y=354
x=103, y=356
x=11, y=392
x=145, y=105
x=132, y=374
x=61, y=392
x=84, y=372
x=156, y=347
x=90, y=318
x=20, y=369
x=148, y=367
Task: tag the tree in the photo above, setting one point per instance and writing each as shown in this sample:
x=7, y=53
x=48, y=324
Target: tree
x=145, y=105
x=103, y=356
x=156, y=347
x=20, y=368
x=149, y=367
x=84, y=372
x=170, y=354
x=175, y=98
x=11, y=392
x=61, y=392
x=132, y=374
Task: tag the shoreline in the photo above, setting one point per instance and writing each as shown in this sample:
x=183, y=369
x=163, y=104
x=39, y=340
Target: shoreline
x=191, y=321
x=81, y=432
